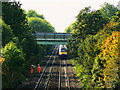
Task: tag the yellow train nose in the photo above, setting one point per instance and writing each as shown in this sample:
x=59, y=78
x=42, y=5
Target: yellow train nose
x=63, y=52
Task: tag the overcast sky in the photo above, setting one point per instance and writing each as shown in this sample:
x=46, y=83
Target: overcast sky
x=61, y=13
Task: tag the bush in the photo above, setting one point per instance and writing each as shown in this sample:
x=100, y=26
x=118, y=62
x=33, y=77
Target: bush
x=12, y=66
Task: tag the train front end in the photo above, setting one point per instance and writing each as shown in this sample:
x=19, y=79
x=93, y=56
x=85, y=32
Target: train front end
x=63, y=52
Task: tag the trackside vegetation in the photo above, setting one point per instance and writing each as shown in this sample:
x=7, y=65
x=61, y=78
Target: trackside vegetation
x=94, y=47
x=19, y=49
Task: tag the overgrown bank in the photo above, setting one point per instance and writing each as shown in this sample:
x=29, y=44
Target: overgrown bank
x=94, y=49
x=19, y=49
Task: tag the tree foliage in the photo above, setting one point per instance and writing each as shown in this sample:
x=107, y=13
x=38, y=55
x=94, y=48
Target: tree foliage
x=13, y=15
x=40, y=25
x=33, y=13
x=12, y=66
x=88, y=23
x=94, y=49
x=20, y=50
x=7, y=34
x=69, y=29
x=105, y=68
x=0, y=33
x=108, y=10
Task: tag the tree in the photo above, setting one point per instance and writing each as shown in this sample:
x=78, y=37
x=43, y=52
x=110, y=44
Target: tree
x=40, y=25
x=32, y=13
x=69, y=29
x=17, y=30
x=0, y=34
x=20, y=50
x=13, y=15
x=116, y=18
x=95, y=55
x=108, y=10
x=12, y=66
x=88, y=23
x=7, y=34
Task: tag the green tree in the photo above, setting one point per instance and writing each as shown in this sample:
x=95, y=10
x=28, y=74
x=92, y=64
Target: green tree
x=34, y=53
x=82, y=46
x=88, y=23
x=116, y=18
x=108, y=10
x=33, y=13
x=0, y=34
x=7, y=34
x=17, y=36
x=40, y=25
x=13, y=15
x=68, y=29
x=12, y=66
x=93, y=54
x=87, y=51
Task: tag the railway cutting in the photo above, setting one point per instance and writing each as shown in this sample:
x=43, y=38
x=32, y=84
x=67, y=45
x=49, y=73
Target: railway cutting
x=56, y=73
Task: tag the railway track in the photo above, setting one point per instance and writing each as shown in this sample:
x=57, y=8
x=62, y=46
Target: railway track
x=73, y=78
x=56, y=74
x=45, y=76
x=51, y=76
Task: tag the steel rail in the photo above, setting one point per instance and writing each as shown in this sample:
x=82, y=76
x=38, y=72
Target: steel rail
x=36, y=86
x=51, y=68
x=68, y=81
x=59, y=87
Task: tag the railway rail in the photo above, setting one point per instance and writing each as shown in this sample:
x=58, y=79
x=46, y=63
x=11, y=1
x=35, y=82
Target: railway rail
x=44, y=80
x=42, y=75
x=59, y=86
x=68, y=81
x=56, y=74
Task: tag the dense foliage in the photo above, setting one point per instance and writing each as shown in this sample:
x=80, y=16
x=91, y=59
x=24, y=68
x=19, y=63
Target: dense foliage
x=108, y=10
x=7, y=34
x=13, y=65
x=105, y=68
x=40, y=25
x=13, y=15
x=94, y=49
x=69, y=29
x=0, y=34
x=88, y=23
x=33, y=13
x=20, y=50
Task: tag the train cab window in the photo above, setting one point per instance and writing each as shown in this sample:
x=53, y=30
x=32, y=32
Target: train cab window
x=63, y=50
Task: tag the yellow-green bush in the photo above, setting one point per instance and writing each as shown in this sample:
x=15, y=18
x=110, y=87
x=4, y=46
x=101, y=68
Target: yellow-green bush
x=95, y=55
x=105, y=68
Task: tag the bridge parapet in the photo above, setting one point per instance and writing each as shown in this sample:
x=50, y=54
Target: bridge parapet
x=52, y=38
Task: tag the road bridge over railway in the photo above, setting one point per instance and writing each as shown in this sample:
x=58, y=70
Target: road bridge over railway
x=52, y=38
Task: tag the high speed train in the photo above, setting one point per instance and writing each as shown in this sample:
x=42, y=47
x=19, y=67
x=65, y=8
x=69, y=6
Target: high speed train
x=63, y=52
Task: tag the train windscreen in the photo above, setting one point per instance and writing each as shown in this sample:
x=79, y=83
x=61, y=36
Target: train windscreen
x=63, y=50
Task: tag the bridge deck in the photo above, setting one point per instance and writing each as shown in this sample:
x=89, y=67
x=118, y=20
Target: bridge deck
x=52, y=38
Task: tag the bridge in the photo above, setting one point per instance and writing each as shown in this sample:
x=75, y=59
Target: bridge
x=52, y=38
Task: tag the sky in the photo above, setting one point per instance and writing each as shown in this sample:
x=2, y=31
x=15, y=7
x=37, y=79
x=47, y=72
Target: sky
x=61, y=13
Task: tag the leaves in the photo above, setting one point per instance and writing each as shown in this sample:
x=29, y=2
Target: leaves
x=108, y=10
x=13, y=64
x=32, y=13
x=40, y=25
x=20, y=50
x=7, y=34
x=10, y=13
x=94, y=49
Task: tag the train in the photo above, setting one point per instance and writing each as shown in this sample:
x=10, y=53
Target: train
x=62, y=52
